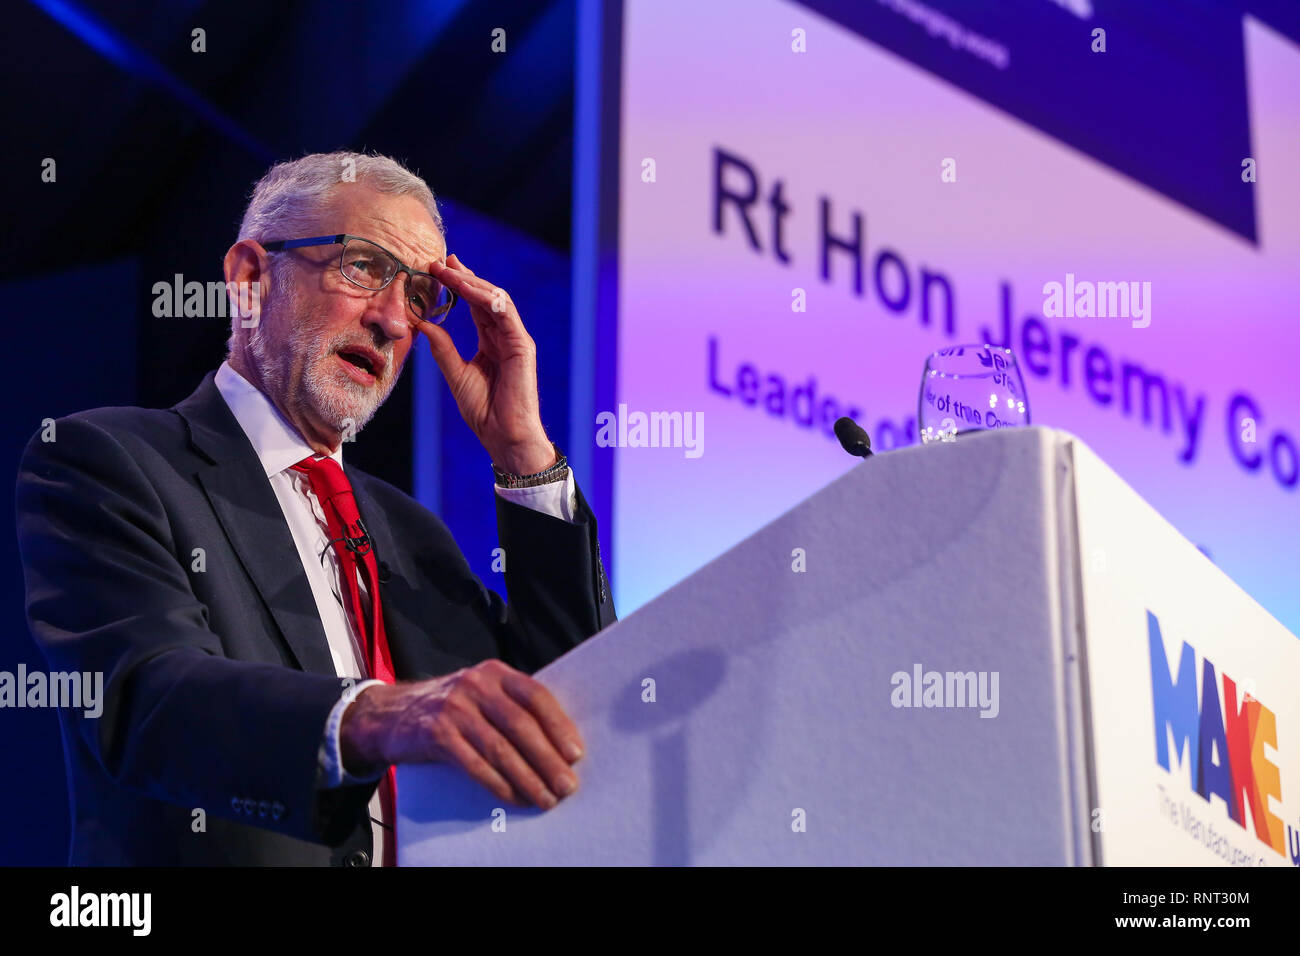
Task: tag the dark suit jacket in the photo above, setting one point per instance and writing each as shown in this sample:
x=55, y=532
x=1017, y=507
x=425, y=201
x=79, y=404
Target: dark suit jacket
x=218, y=682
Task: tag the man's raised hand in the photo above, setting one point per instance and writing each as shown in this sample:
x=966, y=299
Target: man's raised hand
x=496, y=390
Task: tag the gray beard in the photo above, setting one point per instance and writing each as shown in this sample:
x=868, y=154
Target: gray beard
x=343, y=404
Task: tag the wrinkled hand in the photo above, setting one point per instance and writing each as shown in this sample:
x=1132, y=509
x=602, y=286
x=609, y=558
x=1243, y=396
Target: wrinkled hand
x=498, y=724
x=496, y=390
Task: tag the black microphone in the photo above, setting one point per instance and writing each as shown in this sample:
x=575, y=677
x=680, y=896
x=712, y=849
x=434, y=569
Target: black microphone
x=359, y=545
x=853, y=437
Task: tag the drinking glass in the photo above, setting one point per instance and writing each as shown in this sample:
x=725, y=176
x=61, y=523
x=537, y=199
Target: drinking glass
x=966, y=388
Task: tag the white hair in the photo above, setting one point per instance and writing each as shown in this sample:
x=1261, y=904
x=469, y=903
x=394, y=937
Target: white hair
x=286, y=200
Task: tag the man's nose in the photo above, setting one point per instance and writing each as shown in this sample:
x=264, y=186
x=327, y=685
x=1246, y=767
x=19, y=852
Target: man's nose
x=388, y=310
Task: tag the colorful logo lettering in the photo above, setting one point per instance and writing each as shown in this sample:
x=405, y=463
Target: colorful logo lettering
x=1225, y=757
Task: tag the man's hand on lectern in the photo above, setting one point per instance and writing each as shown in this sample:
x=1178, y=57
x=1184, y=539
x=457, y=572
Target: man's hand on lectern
x=499, y=725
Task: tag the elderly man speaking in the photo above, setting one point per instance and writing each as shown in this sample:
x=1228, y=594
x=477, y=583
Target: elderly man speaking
x=276, y=629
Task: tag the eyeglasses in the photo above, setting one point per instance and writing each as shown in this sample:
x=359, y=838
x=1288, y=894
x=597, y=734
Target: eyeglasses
x=369, y=265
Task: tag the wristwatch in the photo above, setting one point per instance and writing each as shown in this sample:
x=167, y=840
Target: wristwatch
x=557, y=472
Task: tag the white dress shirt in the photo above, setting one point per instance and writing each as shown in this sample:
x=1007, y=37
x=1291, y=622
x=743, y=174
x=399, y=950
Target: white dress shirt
x=279, y=446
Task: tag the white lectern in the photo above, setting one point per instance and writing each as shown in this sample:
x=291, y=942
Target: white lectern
x=984, y=652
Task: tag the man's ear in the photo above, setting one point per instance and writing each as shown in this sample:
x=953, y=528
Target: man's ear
x=246, y=261
x=248, y=279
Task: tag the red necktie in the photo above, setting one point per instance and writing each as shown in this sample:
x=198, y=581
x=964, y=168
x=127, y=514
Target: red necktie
x=355, y=552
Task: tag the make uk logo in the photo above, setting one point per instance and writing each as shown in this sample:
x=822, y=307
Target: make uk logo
x=1220, y=739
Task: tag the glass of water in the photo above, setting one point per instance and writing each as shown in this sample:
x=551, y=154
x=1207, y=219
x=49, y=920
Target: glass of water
x=966, y=388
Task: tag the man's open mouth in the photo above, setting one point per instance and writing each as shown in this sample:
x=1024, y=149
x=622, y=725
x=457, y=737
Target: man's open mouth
x=366, y=363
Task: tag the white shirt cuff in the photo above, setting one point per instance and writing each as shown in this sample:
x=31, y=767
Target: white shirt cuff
x=558, y=499
x=330, y=758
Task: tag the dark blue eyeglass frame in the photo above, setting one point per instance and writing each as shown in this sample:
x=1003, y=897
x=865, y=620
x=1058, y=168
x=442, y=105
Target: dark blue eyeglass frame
x=437, y=315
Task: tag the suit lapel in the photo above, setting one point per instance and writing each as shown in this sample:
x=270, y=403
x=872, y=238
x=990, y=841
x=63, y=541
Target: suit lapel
x=236, y=485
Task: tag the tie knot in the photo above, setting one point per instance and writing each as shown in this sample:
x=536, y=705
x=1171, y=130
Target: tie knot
x=334, y=492
x=324, y=473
